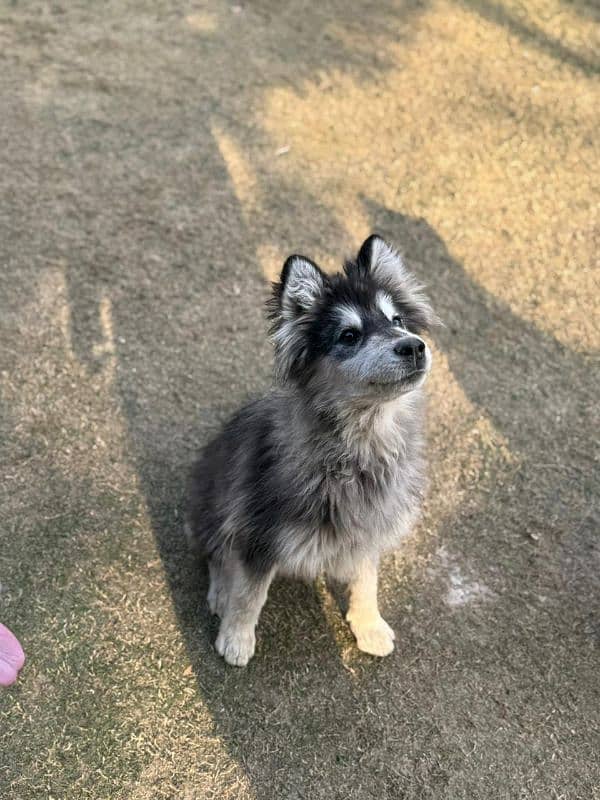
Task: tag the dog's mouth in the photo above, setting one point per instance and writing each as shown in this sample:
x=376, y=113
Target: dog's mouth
x=400, y=381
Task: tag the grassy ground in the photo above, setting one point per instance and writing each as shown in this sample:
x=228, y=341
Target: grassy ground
x=159, y=161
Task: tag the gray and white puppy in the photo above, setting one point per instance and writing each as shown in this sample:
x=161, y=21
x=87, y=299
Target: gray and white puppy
x=326, y=472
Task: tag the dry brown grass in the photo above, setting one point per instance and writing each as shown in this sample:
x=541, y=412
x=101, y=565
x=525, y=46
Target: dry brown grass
x=159, y=163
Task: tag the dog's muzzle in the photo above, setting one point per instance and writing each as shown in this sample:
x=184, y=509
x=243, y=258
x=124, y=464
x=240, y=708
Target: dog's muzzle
x=412, y=351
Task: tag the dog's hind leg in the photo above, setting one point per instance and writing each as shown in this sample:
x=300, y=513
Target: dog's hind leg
x=373, y=634
x=246, y=592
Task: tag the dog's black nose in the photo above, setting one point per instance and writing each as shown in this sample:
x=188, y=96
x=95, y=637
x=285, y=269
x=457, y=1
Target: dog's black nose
x=411, y=347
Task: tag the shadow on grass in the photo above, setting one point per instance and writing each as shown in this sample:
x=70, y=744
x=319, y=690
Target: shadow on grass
x=530, y=34
x=537, y=392
x=333, y=722
x=156, y=227
x=338, y=724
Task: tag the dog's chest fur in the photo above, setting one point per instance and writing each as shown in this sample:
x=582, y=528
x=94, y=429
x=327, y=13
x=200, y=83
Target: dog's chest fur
x=358, y=492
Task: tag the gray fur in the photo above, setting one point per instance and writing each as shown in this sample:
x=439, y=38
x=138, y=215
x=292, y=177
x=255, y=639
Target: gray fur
x=327, y=471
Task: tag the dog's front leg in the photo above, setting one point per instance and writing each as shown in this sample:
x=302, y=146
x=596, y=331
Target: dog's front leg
x=246, y=595
x=373, y=634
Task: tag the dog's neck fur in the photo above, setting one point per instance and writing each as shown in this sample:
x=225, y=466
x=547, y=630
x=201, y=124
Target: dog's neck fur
x=378, y=432
x=369, y=435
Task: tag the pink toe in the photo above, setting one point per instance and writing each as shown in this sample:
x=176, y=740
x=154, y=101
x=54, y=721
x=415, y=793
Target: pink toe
x=8, y=675
x=12, y=656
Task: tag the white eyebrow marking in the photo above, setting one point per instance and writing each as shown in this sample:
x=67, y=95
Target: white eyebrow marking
x=386, y=305
x=349, y=317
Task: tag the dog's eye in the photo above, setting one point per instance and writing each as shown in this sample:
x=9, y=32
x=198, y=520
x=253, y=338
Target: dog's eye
x=398, y=322
x=349, y=336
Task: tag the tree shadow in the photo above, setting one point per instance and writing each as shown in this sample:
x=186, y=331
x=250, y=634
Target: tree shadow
x=585, y=8
x=531, y=34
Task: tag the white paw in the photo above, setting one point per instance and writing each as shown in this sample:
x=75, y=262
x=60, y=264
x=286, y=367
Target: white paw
x=236, y=645
x=373, y=636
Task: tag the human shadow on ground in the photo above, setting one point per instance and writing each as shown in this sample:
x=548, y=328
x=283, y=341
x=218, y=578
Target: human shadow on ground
x=539, y=395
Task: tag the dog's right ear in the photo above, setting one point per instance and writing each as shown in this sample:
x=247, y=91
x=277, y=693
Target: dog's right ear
x=301, y=286
x=297, y=293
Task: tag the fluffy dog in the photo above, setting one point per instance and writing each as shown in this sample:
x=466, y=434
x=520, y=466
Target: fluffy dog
x=326, y=472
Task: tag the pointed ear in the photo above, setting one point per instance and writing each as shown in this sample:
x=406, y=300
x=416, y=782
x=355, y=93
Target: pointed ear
x=385, y=264
x=380, y=258
x=301, y=286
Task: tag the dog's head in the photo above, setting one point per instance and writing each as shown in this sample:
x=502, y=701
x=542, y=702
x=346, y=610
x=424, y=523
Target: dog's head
x=353, y=335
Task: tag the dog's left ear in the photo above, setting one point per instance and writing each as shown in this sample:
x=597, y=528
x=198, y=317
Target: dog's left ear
x=385, y=264
x=381, y=260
